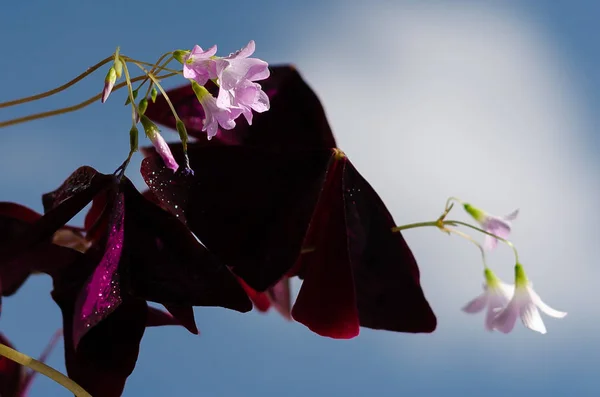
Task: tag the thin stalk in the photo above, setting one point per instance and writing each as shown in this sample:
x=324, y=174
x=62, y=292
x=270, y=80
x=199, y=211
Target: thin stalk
x=43, y=369
x=73, y=108
x=63, y=87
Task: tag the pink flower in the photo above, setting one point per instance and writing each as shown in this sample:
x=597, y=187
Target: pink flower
x=524, y=304
x=199, y=65
x=237, y=73
x=246, y=96
x=498, y=225
x=215, y=116
x=496, y=295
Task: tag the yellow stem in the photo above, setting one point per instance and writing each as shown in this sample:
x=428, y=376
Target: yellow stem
x=471, y=239
x=43, y=369
x=134, y=109
x=73, y=108
x=157, y=84
x=58, y=89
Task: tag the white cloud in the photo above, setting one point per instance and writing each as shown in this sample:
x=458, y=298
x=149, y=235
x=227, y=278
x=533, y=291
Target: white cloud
x=471, y=101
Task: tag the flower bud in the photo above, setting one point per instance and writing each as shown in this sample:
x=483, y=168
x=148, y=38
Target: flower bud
x=133, y=139
x=118, y=67
x=180, y=55
x=153, y=94
x=183, y=135
x=109, y=83
x=142, y=106
x=135, y=94
x=162, y=148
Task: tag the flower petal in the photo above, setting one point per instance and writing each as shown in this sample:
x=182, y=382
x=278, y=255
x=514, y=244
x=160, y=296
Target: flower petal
x=544, y=307
x=490, y=316
x=506, y=319
x=489, y=243
x=477, y=304
x=531, y=318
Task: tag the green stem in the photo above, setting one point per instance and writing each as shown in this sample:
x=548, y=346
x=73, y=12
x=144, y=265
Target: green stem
x=162, y=91
x=134, y=109
x=440, y=223
x=471, y=239
x=155, y=65
x=58, y=89
x=73, y=108
x=43, y=369
x=505, y=241
x=414, y=225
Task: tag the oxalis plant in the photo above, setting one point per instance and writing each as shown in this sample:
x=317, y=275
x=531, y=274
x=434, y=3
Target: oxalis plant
x=230, y=216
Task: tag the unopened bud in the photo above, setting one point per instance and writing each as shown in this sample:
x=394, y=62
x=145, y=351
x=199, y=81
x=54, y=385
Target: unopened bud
x=142, y=106
x=180, y=55
x=183, y=135
x=109, y=83
x=153, y=133
x=153, y=94
x=135, y=94
x=118, y=67
x=133, y=139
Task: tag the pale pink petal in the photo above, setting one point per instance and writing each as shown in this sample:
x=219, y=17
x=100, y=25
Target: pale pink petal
x=531, y=317
x=244, y=52
x=198, y=53
x=261, y=103
x=506, y=319
x=490, y=316
x=231, y=73
x=477, y=304
x=489, y=243
x=497, y=226
x=544, y=307
x=497, y=302
x=507, y=290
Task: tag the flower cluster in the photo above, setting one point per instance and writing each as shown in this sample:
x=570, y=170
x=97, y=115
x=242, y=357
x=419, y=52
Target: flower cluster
x=505, y=303
x=236, y=76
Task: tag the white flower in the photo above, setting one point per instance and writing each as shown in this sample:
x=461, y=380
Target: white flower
x=496, y=295
x=525, y=304
x=498, y=225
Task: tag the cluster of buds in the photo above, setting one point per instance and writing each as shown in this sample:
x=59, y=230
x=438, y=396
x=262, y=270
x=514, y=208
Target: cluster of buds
x=505, y=303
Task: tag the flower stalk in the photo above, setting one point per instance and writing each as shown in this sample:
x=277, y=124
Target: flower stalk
x=43, y=369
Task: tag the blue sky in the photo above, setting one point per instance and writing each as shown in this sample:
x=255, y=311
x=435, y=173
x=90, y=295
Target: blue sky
x=492, y=101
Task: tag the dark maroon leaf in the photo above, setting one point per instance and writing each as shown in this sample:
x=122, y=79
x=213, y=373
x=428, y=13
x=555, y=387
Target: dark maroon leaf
x=249, y=206
x=252, y=207
x=386, y=275
x=18, y=262
x=361, y=252
x=10, y=374
x=62, y=205
x=101, y=294
x=168, y=265
x=326, y=303
x=184, y=315
x=296, y=118
x=107, y=353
